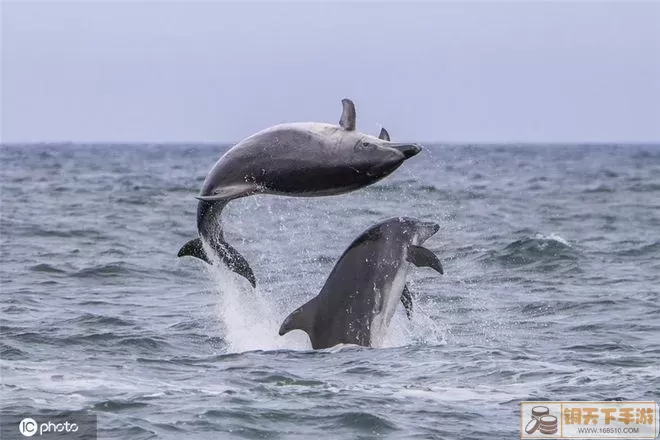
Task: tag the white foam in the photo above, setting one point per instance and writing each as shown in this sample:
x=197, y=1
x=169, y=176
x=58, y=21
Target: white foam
x=251, y=320
x=420, y=329
x=552, y=237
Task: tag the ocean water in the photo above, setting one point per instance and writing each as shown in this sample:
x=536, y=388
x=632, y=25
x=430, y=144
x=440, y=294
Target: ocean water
x=551, y=292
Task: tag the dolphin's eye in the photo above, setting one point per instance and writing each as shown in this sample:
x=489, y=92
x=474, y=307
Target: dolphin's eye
x=365, y=146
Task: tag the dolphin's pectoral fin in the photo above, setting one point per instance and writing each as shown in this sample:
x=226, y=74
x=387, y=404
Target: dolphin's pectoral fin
x=236, y=262
x=420, y=257
x=407, y=301
x=194, y=248
x=384, y=135
x=229, y=192
x=347, y=120
x=209, y=198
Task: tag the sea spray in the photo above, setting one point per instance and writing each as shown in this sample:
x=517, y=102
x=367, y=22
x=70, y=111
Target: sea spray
x=251, y=319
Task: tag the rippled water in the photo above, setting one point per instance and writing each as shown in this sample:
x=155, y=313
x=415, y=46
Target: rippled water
x=551, y=291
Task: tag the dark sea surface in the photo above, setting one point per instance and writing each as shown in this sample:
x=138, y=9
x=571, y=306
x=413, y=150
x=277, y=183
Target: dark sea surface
x=551, y=292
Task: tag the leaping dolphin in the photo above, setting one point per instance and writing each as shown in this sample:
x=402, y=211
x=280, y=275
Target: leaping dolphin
x=302, y=159
x=359, y=298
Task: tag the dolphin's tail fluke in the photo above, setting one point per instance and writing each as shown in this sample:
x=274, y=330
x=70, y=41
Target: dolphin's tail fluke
x=230, y=256
x=236, y=262
x=207, y=214
x=194, y=248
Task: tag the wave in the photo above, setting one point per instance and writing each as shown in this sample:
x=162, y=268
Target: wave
x=599, y=189
x=75, y=233
x=118, y=405
x=9, y=353
x=648, y=249
x=282, y=380
x=363, y=421
x=532, y=250
x=101, y=320
x=103, y=270
x=551, y=307
x=47, y=268
x=86, y=337
x=647, y=187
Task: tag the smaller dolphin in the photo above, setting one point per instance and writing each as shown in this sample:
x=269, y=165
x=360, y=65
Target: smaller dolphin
x=302, y=159
x=359, y=298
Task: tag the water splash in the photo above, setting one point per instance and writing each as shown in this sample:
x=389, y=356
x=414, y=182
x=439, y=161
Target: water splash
x=251, y=319
x=420, y=329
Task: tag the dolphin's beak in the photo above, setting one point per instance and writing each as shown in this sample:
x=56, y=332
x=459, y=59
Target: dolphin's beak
x=427, y=230
x=408, y=150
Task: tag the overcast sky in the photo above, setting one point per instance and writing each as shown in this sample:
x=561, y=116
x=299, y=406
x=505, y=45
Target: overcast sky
x=217, y=72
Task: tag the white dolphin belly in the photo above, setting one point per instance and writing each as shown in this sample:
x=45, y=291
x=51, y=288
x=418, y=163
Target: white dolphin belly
x=390, y=296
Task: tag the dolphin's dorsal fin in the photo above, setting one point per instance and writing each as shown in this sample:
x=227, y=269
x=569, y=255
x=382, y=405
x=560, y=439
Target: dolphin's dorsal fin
x=301, y=319
x=384, y=135
x=347, y=120
x=422, y=257
x=407, y=301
